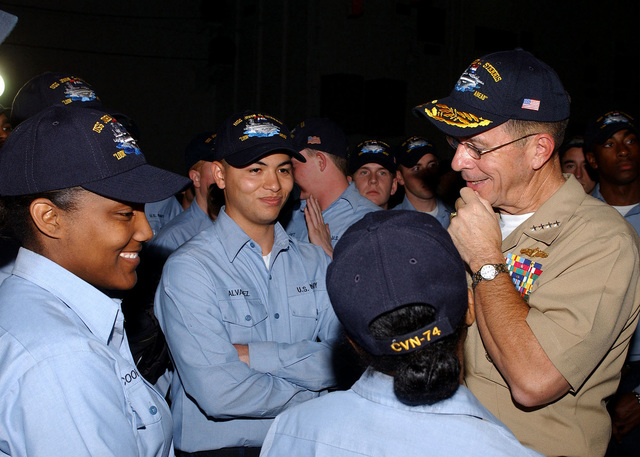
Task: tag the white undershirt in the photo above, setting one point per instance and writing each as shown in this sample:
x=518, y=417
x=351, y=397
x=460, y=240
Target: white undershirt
x=433, y=213
x=509, y=222
x=267, y=259
x=624, y=209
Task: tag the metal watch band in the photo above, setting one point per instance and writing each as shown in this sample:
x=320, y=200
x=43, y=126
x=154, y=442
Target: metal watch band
x=477, y=277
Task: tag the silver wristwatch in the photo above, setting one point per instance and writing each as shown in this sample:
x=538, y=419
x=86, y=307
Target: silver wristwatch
x=488, y=272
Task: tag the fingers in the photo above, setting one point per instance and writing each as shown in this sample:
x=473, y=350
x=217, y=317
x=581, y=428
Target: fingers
x=313, y=213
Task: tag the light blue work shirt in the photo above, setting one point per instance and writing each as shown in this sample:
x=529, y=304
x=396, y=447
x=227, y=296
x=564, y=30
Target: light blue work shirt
x=633, y=218
x=69, y=385
x=216, y=291
x=160, y=213
x=179, y=230
x=347, y=209
x=369, y=420
x=443, y=210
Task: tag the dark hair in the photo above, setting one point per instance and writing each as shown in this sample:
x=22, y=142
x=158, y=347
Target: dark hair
x=428, y=375
x=15, y=216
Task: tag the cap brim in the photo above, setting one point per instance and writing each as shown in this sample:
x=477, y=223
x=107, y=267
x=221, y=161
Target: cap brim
x=457, y=119
x=248, y=156
x=143, y=184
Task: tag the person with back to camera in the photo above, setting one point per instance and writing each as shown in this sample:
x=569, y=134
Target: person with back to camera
x=555, y=273
x=398, y=286
x=73, y=186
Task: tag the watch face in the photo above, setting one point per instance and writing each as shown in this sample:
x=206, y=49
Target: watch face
x=488, y=272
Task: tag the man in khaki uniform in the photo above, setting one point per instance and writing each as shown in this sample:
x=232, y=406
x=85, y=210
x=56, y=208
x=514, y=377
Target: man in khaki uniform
x=544, y=355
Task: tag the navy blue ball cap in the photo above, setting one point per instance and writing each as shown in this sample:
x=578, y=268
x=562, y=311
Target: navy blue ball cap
x=200, y=147
x=321, y=134
x=496, y=88
x=52, y=88
x=390, y=259
x=372, y=151
x=62, y=147
x=603, y=127
x=245, y=137
x=411, y=150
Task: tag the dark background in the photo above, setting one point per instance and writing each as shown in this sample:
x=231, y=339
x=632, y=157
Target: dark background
x=180, y=67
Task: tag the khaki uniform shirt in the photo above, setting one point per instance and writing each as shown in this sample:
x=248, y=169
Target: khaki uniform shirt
x=584, y=295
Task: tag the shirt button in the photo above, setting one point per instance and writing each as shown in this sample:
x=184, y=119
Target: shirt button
x=276, y=315
x=269, y=276
x=247, y=318
x=153, y=410
x=253, y=245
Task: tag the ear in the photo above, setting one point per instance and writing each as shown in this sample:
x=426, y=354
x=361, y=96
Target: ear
x=349, y=178
x=399, y=177
x=322, y=160
x=470, y=317
x=394, y=185
x=194, y=175
x=544, y=147
x=47, y=217
x=591, y=158
x=218, y=171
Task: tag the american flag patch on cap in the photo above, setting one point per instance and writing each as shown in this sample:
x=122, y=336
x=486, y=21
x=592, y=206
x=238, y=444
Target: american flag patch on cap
x=531, y=104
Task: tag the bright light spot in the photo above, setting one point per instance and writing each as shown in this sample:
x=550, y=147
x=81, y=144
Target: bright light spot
x=1, y=85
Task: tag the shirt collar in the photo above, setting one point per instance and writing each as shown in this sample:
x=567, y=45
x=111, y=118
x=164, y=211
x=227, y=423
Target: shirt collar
x=93, y=307
x=233, y=238
x=596, y=194
x=378, y=387
x=350, y=194
x=547, y=222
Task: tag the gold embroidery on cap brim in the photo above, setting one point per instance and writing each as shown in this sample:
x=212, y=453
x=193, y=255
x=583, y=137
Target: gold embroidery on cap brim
x=456, y=118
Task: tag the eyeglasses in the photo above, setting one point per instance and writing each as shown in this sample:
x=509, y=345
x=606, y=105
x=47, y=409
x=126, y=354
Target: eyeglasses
x=474, y=151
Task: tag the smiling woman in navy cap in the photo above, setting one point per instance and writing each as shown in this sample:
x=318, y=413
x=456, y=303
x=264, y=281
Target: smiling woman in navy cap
x=73, y=185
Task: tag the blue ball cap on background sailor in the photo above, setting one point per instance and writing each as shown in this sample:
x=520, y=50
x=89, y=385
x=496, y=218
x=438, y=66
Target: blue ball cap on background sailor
x=411, y=150
x=245, y=137
x=498, y=87
x=59, y=148
x=52, y=88
x=321, y=134
x=200, y=147
x=603, y=127
x=390, y=259
x=372, y=151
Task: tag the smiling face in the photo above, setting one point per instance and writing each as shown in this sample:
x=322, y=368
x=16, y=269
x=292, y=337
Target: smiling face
x=502, y=177
x=617, y=160
x=100, y=241
x=376, y=183
x=255, y=194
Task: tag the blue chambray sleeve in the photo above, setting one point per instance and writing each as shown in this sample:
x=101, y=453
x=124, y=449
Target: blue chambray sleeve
x=308, y=362
x=207, y=362
x=53, y=407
